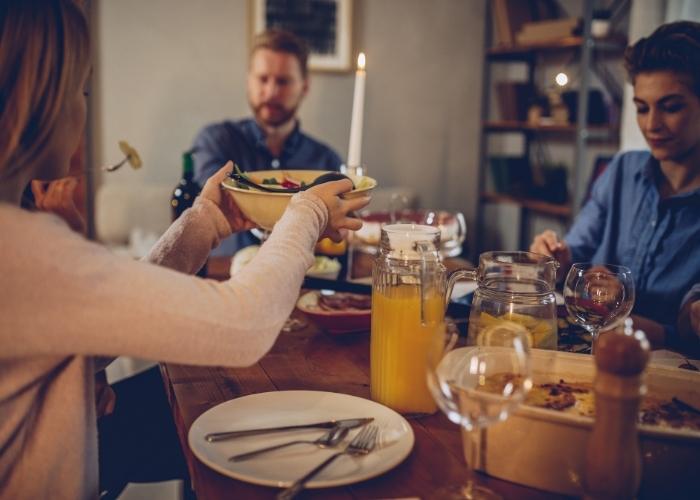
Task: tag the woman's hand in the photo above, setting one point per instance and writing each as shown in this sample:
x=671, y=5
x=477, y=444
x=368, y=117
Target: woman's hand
x=655, y=332
x=212, y=191
x=548, y=243
x=57, y=197
x=340, y=218
x=689, y=328
x=695, y=317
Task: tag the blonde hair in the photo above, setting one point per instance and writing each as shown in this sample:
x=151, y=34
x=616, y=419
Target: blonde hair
x=44, y=53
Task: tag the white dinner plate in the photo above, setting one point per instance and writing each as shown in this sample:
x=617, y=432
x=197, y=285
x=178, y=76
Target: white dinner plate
x=282, y=467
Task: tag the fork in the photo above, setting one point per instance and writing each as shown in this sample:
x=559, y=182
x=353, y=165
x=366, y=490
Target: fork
x=361, y=445
x=329, y=439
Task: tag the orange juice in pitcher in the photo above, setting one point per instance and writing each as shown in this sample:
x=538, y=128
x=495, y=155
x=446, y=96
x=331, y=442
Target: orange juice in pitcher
x=409, y=290
x=399, y=346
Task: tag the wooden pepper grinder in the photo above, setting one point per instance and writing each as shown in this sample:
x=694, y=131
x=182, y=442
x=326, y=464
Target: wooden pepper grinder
x=613, y=462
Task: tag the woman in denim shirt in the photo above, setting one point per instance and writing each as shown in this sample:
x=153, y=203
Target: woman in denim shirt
x=644, y=211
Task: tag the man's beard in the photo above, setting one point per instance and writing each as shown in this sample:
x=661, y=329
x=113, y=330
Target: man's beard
x=280, y=115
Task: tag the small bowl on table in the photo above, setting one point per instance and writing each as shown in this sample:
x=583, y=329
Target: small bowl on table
x=337, y=312
x=265, y=209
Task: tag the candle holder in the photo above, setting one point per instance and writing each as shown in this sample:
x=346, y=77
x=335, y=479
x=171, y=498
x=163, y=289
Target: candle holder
x=358, y=170
x=351, y=170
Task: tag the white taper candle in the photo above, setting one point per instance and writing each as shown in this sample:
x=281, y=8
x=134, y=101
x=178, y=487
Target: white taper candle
x=358, y=104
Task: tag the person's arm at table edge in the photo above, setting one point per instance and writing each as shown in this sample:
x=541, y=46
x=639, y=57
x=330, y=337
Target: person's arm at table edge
x=586, y=233
x=130, y=308
x=688, y=326
x=657, y=334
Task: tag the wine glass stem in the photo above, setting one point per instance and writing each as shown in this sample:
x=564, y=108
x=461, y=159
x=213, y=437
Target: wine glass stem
x=468, y=489
x=594, y=339
x=350, y=260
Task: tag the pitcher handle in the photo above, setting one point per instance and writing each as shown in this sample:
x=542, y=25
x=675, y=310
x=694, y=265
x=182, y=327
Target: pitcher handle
x=455, y=276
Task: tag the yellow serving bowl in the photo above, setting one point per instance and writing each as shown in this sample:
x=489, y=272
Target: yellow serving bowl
x=265, y=209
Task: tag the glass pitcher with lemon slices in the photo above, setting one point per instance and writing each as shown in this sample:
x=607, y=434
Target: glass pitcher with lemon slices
x=515, y=291
x=410, y=289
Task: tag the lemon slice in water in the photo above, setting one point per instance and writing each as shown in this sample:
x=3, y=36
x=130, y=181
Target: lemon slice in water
x=502, y=334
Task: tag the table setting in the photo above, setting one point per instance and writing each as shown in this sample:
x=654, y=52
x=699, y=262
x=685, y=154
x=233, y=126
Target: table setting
x=334, y=370
x=426, y=379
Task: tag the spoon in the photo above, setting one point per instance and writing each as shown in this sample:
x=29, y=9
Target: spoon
x=329, y=440
x=327, y=177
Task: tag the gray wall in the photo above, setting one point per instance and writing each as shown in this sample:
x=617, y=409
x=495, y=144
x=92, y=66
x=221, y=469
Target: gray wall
x=645, y=17
x=164, y=68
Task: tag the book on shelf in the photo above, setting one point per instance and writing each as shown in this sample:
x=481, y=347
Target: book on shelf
x=552, y=29
x=514, y=99
x=550, y=183
x=501, y=23
x=509, y=16
x=511, y=175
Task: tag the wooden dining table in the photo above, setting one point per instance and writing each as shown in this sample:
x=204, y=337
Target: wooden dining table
x=311, y=359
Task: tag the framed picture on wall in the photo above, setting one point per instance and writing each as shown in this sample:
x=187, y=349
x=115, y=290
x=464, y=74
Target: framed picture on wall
x=325, y=25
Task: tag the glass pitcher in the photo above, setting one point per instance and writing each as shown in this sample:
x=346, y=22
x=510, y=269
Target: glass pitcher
x=515, y=289
x=410, y=290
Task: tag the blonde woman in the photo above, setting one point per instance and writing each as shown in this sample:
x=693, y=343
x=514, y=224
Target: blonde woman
x=65, y=302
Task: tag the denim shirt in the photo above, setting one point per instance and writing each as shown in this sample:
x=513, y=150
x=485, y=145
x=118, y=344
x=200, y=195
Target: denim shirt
x=626, y=222
x=244, y=142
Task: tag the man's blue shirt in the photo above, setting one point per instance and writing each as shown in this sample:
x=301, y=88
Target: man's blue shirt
x=244, y=142
x=626, y=222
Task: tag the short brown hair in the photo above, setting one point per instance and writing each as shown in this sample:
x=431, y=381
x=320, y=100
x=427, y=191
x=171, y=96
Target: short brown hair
x=672, y=47
x=279, y=40
x=44, y=54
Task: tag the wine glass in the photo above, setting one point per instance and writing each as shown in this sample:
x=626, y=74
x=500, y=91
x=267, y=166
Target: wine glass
x=598, y=296
x=453, y=230
x=477, y=386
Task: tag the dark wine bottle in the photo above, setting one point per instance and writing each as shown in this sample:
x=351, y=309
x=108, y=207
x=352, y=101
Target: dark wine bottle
x=184, y=194
x=186, y=190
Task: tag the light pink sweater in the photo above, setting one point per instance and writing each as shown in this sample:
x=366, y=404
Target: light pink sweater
x=65, y=301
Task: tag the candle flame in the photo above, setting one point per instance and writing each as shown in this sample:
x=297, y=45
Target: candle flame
x=361, y=61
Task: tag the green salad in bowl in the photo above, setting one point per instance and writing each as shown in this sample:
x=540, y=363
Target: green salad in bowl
x=265, y=208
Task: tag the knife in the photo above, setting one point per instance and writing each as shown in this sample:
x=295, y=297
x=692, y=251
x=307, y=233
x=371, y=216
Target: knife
x=348, y=423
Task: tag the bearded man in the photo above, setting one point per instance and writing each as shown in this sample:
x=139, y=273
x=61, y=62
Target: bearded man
x=272, y=139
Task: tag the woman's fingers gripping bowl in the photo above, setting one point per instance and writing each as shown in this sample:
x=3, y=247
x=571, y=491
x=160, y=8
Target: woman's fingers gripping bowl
x=348, y=208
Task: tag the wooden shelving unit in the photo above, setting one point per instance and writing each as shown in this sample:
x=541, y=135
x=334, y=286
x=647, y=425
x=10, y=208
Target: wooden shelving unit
x=579, y=134
x=596, y=132
x=538, y=206
x=567, y=43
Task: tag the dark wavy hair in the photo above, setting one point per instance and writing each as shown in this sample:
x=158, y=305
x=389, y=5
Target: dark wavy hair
x=672, y=47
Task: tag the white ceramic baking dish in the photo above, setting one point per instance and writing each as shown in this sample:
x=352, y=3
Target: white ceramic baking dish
x=545, y=449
